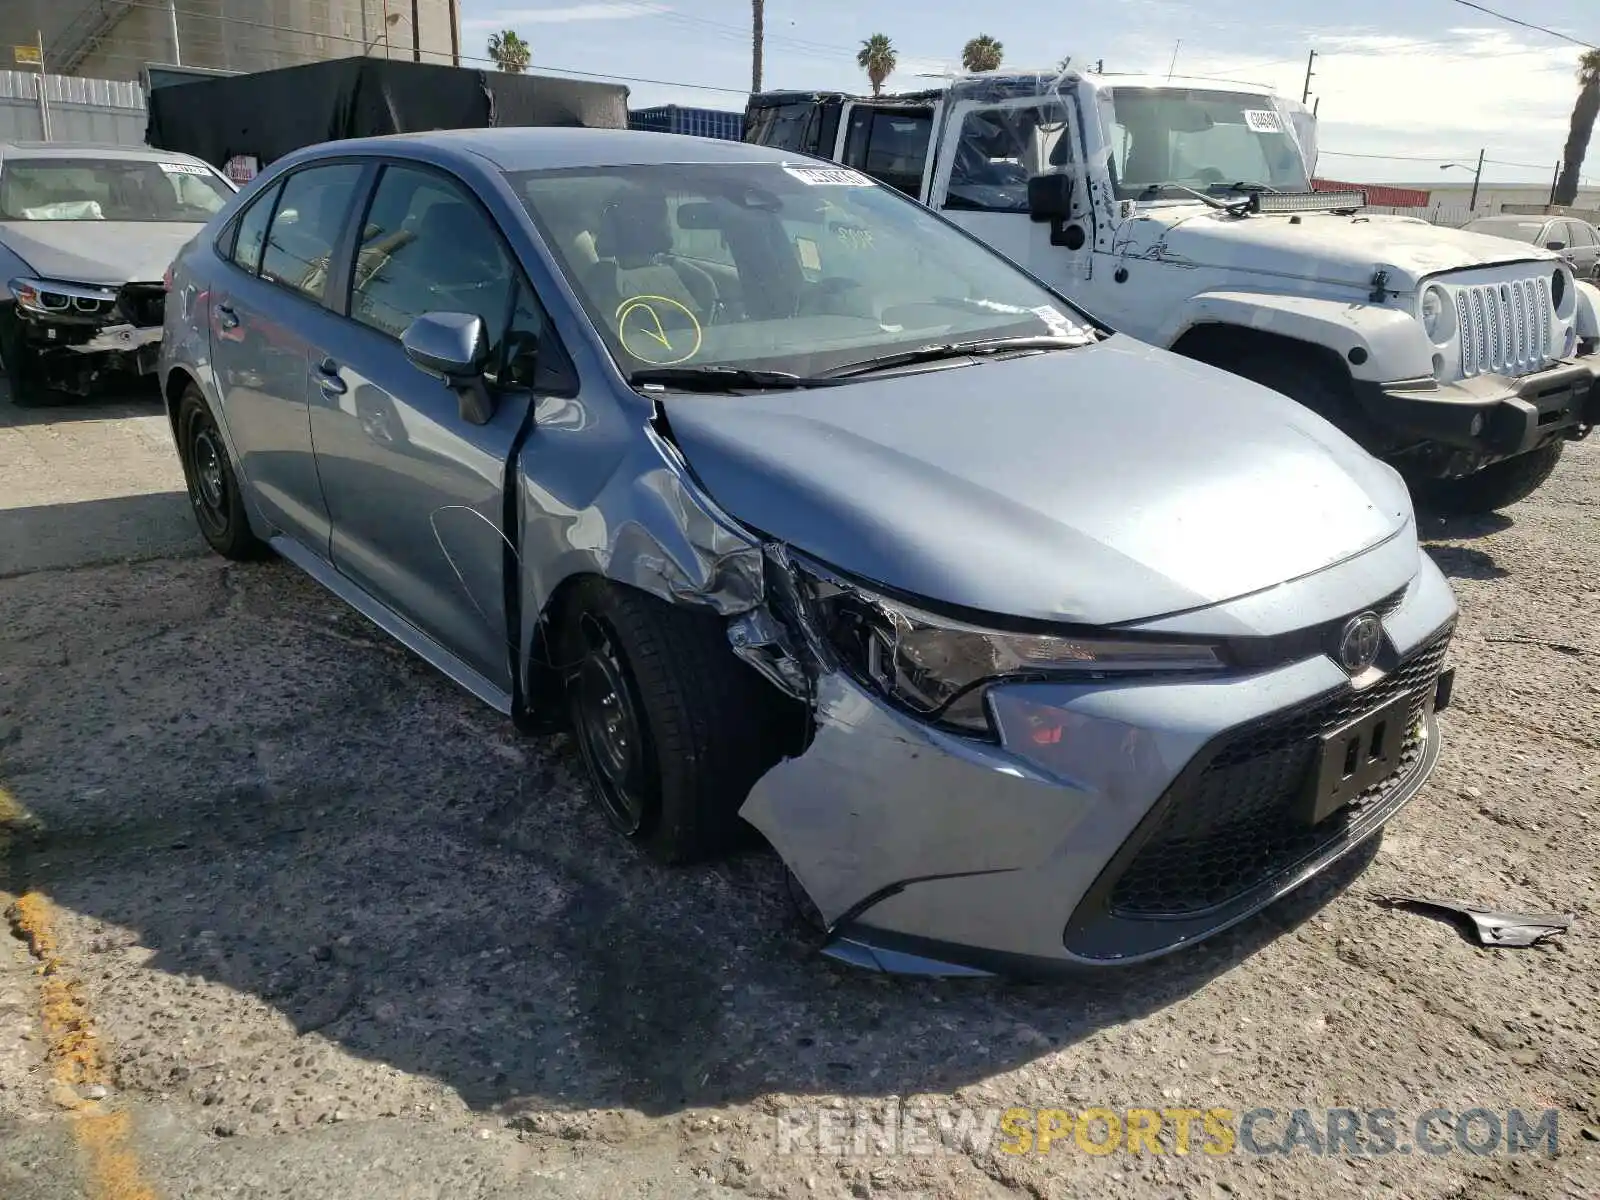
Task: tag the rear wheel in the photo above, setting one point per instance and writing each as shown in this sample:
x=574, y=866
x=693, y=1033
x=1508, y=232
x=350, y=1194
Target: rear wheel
x=213, y=489
x=1496, y=486
x=674, y=730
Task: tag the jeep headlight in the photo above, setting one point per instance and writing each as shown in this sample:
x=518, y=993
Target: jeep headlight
x=1438, y=315
x=938, y=668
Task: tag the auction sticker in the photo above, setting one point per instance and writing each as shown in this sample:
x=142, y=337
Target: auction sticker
x=182, y=169
x=829, y=176
x=1263, y=120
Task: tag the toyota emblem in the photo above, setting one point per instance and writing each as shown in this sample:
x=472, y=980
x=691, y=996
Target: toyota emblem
x=1359, y=643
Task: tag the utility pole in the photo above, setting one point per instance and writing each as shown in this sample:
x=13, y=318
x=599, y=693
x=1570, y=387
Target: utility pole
x=1555, y=181
x=1173, y=65
x=1472, y=205
x=172, y=17
x=1306, y=94
x=1099, y=66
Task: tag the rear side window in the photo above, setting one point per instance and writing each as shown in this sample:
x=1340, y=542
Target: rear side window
x=252, y=230
x=889, y=146
x=306, y=226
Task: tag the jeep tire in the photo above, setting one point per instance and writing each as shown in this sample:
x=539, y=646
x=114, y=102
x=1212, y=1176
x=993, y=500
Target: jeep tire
x=1496, y=486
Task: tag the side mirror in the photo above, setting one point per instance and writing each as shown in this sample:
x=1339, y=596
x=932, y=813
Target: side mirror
x=453, y=347
x=1050, y=197
x=1555, y=245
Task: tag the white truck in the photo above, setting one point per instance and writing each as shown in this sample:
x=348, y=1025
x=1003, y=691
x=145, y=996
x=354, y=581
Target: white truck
x=1181, y=212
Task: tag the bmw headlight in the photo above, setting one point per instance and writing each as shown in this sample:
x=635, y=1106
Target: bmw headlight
x=1438, y=315
x=938, y=668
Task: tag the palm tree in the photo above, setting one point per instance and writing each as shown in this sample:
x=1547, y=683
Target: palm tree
x=1584, y=113
x=758, y=23
x=510, y=53
x=877, y=58
x=982, y=53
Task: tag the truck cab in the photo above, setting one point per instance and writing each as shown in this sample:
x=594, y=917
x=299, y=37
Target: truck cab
x=1181, y=212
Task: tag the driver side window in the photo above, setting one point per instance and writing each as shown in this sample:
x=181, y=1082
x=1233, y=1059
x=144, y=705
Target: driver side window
x=427, y=247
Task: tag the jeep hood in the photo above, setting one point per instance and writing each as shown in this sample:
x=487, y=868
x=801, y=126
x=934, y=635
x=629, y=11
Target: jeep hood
x=1323, y=247
x=1102, y=485
x=103, y=252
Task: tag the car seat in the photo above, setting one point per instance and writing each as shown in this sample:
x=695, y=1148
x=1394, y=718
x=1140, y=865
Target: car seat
x=634, y=245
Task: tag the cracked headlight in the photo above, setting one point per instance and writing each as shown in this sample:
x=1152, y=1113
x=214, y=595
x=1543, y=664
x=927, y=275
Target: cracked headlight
x=48, y=298
x=938, y=668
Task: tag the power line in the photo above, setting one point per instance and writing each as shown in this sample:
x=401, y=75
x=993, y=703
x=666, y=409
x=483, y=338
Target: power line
x=1526, y=24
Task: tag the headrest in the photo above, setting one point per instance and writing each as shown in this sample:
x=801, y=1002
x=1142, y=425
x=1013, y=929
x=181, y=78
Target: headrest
x=634, y=229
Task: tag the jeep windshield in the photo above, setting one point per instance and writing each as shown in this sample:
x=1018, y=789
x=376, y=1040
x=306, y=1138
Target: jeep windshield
x=109, y=189
x=802, y=269
x=1164, y=140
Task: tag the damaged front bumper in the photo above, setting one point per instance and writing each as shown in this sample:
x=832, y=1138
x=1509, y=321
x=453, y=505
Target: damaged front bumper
x=1112, y=821
x=80, y=330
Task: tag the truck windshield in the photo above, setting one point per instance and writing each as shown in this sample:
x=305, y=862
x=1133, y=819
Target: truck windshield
x=88, y=189
x=800, y=268
x=1201, y=139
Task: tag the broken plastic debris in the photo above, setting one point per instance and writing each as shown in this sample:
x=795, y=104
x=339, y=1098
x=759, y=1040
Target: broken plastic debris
x=1491, y=928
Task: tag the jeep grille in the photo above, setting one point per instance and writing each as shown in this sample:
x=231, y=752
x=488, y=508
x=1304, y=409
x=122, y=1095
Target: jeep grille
x=1505, y=327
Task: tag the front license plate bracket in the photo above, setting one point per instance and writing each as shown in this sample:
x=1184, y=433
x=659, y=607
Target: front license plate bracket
x=1354, y=758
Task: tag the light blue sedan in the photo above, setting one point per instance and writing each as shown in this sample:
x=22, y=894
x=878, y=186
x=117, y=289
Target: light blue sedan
x=1024, y=644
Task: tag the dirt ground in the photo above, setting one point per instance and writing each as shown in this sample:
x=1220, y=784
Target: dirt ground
x=303, y=920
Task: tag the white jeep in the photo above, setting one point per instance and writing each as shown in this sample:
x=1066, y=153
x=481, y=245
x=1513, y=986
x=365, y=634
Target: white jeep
x=1181, y=212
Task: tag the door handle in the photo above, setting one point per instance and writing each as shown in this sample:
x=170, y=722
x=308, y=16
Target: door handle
x=328, y=378
x=226, y=317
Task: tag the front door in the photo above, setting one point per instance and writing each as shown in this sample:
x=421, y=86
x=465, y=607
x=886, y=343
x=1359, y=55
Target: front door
x=262, y=316
x=417, y=494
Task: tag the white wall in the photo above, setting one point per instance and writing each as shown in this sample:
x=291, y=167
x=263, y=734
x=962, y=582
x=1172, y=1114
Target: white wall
x=81, y=110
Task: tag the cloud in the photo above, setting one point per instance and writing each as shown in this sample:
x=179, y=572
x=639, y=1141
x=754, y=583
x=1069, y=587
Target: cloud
x=608, y=10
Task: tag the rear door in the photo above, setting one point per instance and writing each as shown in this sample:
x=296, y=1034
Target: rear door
x=1585, y=250
x=417, y=495
x=265, y=308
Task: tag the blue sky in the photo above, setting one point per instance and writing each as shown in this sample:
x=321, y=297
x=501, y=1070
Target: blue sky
x=1430, y=80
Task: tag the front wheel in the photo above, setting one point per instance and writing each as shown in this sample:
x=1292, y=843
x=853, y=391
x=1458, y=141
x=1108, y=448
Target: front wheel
x=674, y=730
x=21, y=362
x=1496, y=486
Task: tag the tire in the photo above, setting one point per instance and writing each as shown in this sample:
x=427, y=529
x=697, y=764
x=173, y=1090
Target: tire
x=213, y=489
x=688, y=728
x=1496, y=486
x=1305, y=380
x=20, y=362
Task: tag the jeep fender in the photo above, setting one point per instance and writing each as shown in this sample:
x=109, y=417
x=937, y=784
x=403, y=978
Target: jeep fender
x=1588, y=314
x=1377, y=344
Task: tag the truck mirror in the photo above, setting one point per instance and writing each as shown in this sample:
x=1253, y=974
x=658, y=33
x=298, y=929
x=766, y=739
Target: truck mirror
x=1050, y=197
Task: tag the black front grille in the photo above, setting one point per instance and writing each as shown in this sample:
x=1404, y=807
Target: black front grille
x=143, y=304
x=1240, y=823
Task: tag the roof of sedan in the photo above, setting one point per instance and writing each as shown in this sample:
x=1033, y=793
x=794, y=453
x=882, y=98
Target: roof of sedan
x=528, y=149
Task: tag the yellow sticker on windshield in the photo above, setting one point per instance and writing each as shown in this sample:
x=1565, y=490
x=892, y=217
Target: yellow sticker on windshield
x=658, y=330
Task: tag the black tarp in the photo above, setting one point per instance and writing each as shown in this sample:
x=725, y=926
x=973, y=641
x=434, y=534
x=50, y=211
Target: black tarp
x=268, y=114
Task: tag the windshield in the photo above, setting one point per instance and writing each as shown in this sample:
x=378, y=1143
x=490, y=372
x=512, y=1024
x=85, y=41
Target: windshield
x=800, y=269
x=1206, y=140
x=1000, y=148
x=87, y=189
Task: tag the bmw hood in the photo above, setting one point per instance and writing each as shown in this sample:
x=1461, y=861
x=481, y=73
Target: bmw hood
x=1104, y=485
x=1320, y=247
x=100, y=252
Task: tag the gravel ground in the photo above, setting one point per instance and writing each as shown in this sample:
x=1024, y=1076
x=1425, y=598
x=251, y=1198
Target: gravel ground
x=340, y=930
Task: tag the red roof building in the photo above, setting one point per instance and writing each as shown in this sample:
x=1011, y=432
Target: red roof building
x=1383, y=197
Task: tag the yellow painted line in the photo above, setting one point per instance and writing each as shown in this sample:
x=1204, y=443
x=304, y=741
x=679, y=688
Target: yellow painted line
x=73, y=1048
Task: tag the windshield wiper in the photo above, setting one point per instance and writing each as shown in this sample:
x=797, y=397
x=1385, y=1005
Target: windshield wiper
x=1244, y=187
x=904, y=358
x=720, y=379
x=1155, y=189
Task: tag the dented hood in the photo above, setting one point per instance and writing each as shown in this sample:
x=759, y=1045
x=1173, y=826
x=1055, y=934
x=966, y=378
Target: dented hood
x=108, y=252
x=1108, y=484
x=1323, y=247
